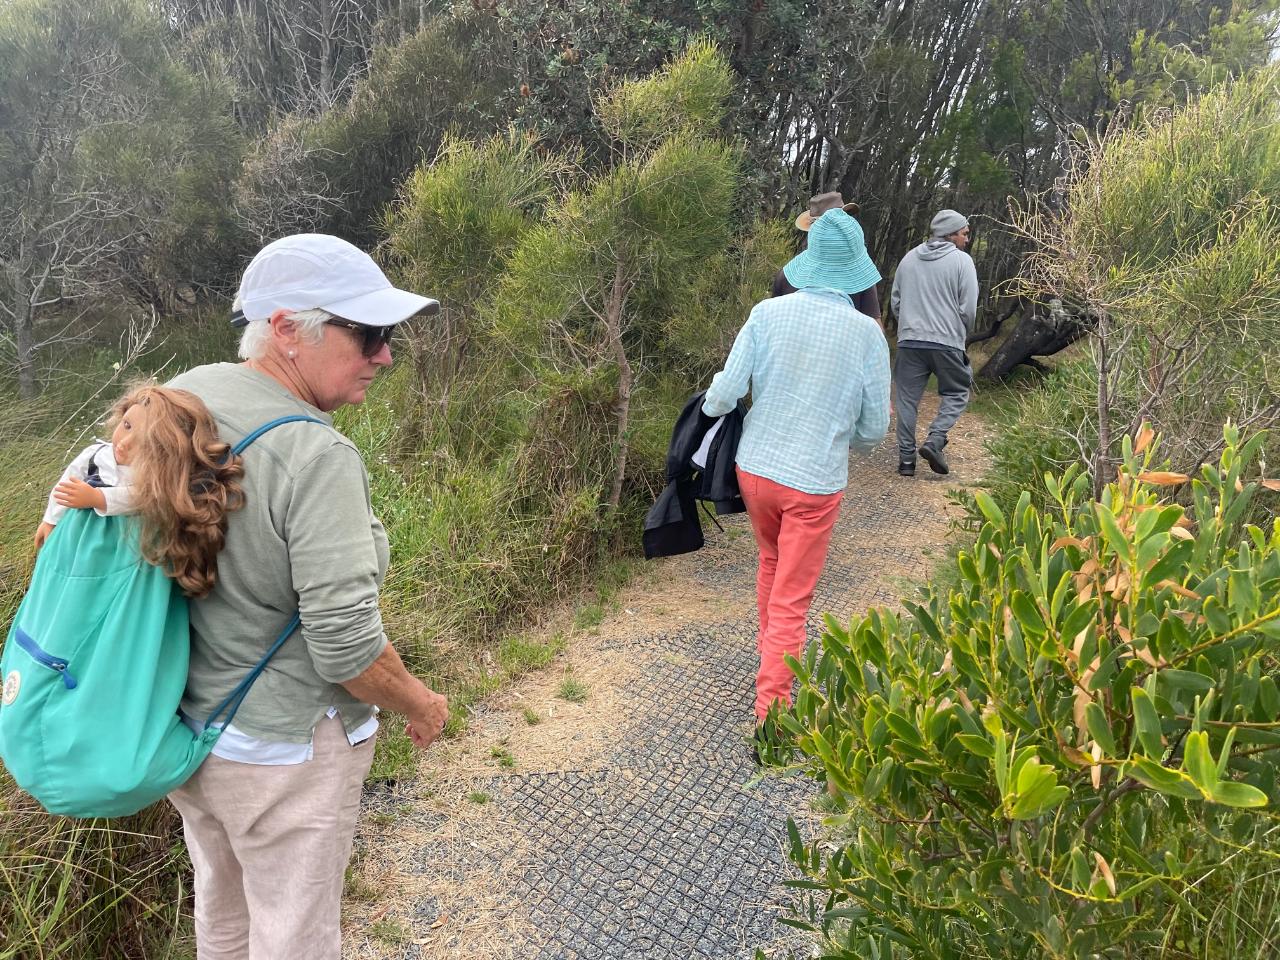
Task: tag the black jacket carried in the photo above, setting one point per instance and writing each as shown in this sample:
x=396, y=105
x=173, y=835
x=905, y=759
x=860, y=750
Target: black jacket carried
x=672, y=525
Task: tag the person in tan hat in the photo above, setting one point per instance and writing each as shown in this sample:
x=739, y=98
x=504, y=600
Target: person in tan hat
x=866, y=300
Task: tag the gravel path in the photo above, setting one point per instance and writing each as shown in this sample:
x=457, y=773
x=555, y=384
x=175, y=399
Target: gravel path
x=626, y=827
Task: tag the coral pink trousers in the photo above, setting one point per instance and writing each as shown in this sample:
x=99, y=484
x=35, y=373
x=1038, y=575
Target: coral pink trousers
x=793, y=531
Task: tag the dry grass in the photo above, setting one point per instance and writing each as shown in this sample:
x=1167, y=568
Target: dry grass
x=477, y=847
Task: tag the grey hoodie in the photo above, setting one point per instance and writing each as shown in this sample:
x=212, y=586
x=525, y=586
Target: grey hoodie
x=935, y=294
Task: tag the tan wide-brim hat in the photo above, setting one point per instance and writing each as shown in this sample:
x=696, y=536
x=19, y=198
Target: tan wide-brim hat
x=820, y=204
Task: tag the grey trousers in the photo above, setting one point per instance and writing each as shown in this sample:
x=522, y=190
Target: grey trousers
x=911, y=373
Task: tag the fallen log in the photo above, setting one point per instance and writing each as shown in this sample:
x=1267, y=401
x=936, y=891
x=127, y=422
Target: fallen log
x=1042, y=330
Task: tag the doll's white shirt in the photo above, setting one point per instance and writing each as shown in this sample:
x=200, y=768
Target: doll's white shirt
x=118, y=493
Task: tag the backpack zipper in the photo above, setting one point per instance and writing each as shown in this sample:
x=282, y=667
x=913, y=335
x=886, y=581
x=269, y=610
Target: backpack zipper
x=47, y=659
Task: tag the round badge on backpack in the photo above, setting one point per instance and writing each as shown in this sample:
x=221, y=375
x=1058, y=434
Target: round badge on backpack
x=12, y=683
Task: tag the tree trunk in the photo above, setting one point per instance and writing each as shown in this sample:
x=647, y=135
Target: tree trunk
x=327, y=29
x=1101, y=463
x=1038, y=334
x=613, y=330
x=24, y=341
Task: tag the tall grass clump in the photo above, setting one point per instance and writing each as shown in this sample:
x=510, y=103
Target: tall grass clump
x=1166, y=236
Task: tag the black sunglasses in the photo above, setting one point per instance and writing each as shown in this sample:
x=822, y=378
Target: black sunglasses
x=372, y=339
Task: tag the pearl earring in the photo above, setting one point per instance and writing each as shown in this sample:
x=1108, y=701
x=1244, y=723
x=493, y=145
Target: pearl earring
x=292, y=354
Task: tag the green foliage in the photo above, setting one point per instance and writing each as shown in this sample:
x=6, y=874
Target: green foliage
x=617, y=256
x=90, y=889
x=1068, y=754
x=1039, y=434
x=116, y=165
x=1163, y=195
x=459, y=219
x=1169, y=243
x=729, y=283
x=572, y=689
x=686, y=98
x=335, y=171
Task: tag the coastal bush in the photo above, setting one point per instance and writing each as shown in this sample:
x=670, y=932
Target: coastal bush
x=1043, y=429
x=1072, y=753
x=1166, y=237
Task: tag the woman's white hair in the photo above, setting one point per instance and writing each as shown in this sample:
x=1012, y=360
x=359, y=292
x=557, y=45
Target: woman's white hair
x=257, y=333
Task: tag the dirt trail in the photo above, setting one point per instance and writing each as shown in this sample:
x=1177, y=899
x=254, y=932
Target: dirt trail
x=624, y=826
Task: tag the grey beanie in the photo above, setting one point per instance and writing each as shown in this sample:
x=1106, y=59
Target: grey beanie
x=946, y=223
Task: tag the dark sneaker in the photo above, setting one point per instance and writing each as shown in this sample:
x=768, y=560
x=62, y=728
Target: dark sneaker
x=932, y=454
x=759, y=747
x=906, y=468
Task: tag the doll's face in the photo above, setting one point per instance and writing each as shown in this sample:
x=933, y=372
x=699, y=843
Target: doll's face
x=128, y=433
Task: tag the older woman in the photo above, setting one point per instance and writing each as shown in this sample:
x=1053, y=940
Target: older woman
x=818, y=372
x=269, y=817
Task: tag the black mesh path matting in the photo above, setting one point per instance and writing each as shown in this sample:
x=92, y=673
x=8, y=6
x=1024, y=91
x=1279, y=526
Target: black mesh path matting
x=661, y=850
x=666, y=852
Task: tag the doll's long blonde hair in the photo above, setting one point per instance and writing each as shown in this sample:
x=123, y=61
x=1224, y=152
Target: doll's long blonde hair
x=185, y=482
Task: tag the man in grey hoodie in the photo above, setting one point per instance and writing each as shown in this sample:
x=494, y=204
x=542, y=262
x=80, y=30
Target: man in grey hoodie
x=935, y=300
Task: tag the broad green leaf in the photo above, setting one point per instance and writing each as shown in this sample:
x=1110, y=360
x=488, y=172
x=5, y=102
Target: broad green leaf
x=1243, y=594
x=1099, y=729
x=1187, y=680
x=980, y=746
x=1162, y=779
x=1232, y=794
x=1217, y=615
x=1198, y=762
x=1111, y=530
x=988, y=508
x=1269, y=698
x=1080, y=871
x=904, y=729
x=1037, y=789
x=1147, y=723
x=1024, y=608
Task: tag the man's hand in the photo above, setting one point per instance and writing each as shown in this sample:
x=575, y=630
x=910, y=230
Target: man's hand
x=424, y=728
x=74, y=492
x=42, y=534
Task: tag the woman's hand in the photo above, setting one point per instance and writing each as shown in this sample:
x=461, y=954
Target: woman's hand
x=74, y=492
x=388, y=684
x=42, y=534
x=423, y=729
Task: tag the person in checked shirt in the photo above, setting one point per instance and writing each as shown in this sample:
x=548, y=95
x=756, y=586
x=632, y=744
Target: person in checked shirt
x=818, y=374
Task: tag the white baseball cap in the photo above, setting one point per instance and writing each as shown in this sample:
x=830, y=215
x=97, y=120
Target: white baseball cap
x=307, y=271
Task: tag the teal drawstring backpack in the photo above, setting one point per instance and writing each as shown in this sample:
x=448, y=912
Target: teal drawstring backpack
x=94, y=668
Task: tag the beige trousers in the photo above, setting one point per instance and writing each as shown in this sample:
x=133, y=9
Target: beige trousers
x=270, y=846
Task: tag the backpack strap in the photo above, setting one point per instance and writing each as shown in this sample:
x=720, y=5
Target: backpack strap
x=233, y=700
x=236, y=697
x=253, y=435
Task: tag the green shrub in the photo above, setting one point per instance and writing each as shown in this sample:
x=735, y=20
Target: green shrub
x=1072, y=754
x=335, y=172
x=1043, y=429
x=1166, y=238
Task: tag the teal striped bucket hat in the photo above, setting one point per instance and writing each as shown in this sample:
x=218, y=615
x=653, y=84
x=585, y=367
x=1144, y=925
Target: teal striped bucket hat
x=836, y=257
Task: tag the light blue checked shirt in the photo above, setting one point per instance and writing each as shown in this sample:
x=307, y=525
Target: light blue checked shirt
x=818, y=371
